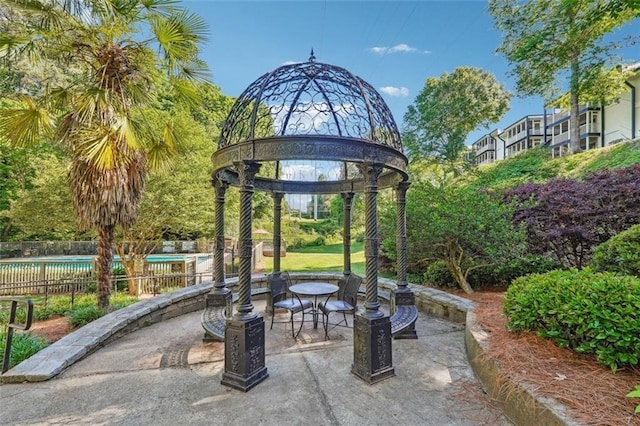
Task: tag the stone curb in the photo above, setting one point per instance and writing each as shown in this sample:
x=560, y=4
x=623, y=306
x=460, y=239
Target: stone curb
x=518, y=401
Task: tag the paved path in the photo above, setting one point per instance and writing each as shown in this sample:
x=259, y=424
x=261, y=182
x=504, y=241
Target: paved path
x=165, y=375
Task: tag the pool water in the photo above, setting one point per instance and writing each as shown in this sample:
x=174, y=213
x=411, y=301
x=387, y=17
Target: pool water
x=88, y=258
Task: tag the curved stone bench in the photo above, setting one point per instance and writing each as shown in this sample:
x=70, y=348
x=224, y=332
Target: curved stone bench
x=214, y=318
x=404, y=317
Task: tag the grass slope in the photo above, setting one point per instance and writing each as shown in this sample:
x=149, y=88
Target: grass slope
x=536, y=165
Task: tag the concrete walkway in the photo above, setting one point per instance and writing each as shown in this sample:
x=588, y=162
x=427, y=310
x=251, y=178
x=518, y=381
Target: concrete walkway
x=164, y=375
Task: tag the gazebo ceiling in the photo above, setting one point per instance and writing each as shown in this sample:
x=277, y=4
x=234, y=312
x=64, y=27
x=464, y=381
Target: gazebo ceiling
x=316, y=112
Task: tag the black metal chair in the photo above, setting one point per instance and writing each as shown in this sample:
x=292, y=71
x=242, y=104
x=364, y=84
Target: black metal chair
x=346, y=302
x=282, y=298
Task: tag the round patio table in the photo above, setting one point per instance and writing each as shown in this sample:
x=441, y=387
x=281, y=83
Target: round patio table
x=315, y=289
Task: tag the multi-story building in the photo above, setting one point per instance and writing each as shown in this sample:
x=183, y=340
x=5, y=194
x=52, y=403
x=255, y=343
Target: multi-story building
x=599, y=127
x=484, y=150
x=620, y=118
x=524, y=134
x=558, y=137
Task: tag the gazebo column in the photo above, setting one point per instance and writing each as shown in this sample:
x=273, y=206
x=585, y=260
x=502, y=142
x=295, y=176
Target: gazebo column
x=402, y=294
x=244, y=365
x=372, y=328
x=277, y=241
x=220, y=295
x=347, y=200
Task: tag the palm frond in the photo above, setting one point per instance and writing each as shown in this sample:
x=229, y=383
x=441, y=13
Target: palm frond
x=161, y=7
x=97, y=148
x=196, y=70
x=161, y=154
x=25, y=126
x=125, y=133
x=11, y=43
x=186, y=91
x=178, y=36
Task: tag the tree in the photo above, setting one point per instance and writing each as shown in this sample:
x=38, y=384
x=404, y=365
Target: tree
x=551, y=43
x=465, y=228
x=117, y=56
x=447, y=109
x=44, y=211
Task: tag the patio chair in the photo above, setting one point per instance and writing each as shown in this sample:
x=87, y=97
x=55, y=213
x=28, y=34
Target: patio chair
x=346, y=302
x=282, y=298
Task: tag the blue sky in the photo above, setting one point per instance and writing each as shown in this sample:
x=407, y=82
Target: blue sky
x=393, y=45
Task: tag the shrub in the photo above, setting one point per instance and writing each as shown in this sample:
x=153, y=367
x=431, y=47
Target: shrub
x=620, y=253
x=122, y=300
x=84, y=315
x=504, y=273
x=438, y=275
x=589, y=312
x=59, y=305
x=569, y=218
x=23, y=345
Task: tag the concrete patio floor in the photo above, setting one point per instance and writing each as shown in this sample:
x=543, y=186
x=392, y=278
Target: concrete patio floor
x=164, y=375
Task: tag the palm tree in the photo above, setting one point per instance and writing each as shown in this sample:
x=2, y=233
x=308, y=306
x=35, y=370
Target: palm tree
x=116, y=57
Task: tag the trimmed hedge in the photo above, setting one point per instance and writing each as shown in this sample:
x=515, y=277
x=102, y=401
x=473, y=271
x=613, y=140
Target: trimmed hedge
x=589, y=312
x=620, y=253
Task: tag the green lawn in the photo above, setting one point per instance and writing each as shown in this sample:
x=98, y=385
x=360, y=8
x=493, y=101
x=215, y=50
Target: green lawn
x=320, y=259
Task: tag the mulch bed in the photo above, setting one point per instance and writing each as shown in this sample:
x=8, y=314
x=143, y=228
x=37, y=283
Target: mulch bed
x=592, y=392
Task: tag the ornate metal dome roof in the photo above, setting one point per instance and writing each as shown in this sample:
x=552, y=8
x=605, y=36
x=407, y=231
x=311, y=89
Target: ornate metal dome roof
x=311, y=99
x=310, y=112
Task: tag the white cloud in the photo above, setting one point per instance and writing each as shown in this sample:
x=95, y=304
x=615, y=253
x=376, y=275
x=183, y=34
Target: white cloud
x=379, y=50
x=398, y=48
x=290, y=62
x=403, y=48
x=400, y=92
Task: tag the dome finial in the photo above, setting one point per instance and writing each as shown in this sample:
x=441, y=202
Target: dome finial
x=312, y=58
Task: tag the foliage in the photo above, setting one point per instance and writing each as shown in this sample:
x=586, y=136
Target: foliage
x=501, y=275
x=438, y=275
x=504, y=273
x=467, y=229
x=620, y=254
x=84, y=315
x=23, y=345
x=447, y=109
x=555, y=44
x=567, y=218
x=635, y=394
x=589, y=312
x=95, y=109
x=45, y=211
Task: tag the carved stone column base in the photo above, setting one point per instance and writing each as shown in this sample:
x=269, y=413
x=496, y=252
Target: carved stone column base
x=372, y=348
x=403, y=296
x=244, y=353
x=218, y=297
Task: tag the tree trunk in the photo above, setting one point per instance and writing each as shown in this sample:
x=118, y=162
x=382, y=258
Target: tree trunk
x=454, y=258
x=128, y=262
x=103, y=264
x=574, y=129
x=6, y=229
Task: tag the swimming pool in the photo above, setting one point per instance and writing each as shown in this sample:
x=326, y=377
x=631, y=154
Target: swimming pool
x=201, y=257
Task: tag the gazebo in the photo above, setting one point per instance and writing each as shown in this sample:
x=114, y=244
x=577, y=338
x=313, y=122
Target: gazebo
x=312, y=112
